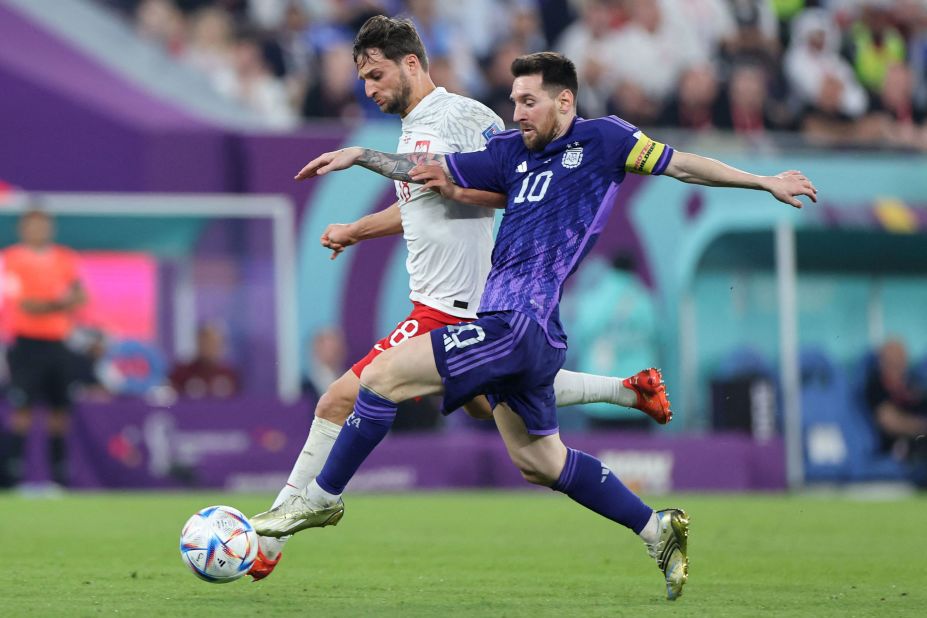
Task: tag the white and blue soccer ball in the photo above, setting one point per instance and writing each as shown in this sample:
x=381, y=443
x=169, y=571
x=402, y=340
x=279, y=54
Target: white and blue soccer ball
x=219, y=544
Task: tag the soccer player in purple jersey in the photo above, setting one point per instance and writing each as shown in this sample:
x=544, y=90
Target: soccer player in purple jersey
x=561, y=174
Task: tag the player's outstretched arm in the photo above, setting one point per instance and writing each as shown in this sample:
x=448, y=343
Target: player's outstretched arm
x=392, y=165
x=695, y=169
x=386, y=222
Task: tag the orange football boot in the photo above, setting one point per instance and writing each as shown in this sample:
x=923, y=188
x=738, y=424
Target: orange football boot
x=651, y=394
x=262, y=565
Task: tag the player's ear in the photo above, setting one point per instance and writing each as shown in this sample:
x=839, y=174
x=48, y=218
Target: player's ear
x=412, y=63
x=565, y=100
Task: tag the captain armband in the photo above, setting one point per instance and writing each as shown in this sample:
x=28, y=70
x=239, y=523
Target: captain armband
x=647, y=157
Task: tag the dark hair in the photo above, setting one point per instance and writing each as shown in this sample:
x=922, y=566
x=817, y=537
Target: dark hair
x=557, y=71
x=396, y=38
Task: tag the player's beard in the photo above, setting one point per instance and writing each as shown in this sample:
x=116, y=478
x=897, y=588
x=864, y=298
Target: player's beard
x=539, y=139
x=400, y=102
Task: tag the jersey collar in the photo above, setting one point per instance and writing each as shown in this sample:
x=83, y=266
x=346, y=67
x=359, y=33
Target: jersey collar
x=422, y=108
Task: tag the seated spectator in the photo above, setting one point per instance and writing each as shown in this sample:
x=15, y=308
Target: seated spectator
x=822, y=82
x=207, y=375
x=903, y=119
x=875, y=45
x=334, y=93
x=251, y=82
x=643, y=86
x=327, y=352
x=746, y=106
x=587, y=43
x=899, y=410
x=693, y=106
x=757, y=32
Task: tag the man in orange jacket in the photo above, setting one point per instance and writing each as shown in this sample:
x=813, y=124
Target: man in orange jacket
x=42, y=290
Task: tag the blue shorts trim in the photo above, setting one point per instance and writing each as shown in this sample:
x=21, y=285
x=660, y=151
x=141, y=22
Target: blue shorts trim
x=506, y=356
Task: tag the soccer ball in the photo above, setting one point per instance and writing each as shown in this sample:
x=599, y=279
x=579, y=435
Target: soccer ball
x=219, y=544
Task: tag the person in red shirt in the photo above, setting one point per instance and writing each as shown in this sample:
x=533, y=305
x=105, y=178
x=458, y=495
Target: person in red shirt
x=42, y=290
x=207, y=375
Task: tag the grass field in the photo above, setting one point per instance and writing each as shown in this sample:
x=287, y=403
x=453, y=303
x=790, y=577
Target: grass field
x=481, y=554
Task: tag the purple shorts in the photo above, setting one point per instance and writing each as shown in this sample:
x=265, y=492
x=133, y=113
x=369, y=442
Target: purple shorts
x=504, y=355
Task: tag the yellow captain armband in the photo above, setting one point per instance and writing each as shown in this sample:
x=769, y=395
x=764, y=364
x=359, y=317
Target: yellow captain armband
x=644, y=156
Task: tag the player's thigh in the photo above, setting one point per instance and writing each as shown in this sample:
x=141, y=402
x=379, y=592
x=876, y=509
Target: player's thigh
x=540, y=456
x=479, y=408
x=337, y=401
x=405, y=371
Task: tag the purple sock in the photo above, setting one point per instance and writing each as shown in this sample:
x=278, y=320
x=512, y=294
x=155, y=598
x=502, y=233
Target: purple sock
x=589, y=482
x=365, y=428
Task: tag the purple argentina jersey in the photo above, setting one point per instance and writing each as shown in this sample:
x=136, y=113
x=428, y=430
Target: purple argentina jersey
x=558, y=202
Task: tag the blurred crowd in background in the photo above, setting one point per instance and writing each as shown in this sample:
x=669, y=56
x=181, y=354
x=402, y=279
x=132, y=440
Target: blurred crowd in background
x=842, y=72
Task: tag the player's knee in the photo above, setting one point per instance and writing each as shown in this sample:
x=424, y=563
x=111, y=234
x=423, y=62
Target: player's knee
x=533, y=471
x=334, y=407
x=377, y=376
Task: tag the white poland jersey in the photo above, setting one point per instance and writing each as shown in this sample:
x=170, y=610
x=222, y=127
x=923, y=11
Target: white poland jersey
x=450, y=244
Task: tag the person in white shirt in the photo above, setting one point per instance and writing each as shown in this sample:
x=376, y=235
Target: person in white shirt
x=449, y=246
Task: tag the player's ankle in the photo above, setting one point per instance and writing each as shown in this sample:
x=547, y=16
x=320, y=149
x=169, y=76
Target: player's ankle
x=271, y=547
x=318, y=497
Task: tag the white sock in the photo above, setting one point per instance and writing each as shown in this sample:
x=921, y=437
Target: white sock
x=651, y=531
x=318, y=496
x=322, y=436
x=572, y=388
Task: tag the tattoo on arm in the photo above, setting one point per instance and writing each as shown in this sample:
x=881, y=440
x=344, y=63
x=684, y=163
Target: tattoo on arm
x=396, y=166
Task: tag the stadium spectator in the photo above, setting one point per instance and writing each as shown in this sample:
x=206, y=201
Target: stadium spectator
x=516, y=345
x=710, y=21
x=875, y=45
x=333, y=94
x=250, y=81
x=210, y=49
x=207, y=375
x=746, y=105
x=822, y=82
x=694, y=105
x=588, y=40
x=641, y=88
x=898, y=408
x=902, y=119
x=161, y=22
x=498, y=80
x=327, y=353
x=42, y=289
x=757, y=31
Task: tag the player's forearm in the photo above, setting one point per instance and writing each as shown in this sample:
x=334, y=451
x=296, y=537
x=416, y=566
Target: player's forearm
x=396, y=166
x=386, y=222
x=698, y=170
x=477, y=197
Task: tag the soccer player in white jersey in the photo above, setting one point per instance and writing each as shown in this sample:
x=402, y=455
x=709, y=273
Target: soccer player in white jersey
x=449, y=247
x=561, y=174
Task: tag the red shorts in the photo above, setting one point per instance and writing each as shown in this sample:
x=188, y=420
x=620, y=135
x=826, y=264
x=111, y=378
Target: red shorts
x=423, y=319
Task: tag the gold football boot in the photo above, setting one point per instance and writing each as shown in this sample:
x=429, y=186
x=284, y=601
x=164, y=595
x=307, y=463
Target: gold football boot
x=670, y=551
x=295, y=514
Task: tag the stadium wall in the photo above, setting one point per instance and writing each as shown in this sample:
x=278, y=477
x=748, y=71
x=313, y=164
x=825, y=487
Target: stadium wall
x=197, y=445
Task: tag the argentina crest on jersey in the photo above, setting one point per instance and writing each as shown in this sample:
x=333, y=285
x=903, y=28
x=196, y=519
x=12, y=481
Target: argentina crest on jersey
x=573, y=156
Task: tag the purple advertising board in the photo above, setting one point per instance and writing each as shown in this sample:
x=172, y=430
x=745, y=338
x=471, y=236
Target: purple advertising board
x=249, y=445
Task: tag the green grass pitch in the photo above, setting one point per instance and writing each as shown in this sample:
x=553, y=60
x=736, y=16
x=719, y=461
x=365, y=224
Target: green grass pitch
x=480, y=554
